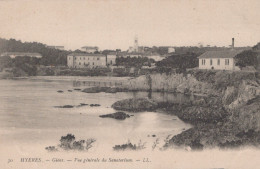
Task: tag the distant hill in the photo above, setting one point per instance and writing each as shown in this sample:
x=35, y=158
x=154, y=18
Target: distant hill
x=50, y=56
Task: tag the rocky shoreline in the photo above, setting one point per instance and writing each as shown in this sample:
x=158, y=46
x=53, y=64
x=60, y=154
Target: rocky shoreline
x=227, y=117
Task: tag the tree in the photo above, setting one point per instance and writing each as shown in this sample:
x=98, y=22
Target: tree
x=247, y=58
x=180, y=61
x=5, y=62
x=137, y=62
x=50, y=56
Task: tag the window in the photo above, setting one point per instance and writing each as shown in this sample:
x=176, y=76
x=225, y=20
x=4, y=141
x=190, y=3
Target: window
x=79, y=63
x=97, y=58
x=88, y=58
x=226, y=61
x=93, y=63
x=210, y=61
x=218, y=61
x=202, y=61
x=111, y=62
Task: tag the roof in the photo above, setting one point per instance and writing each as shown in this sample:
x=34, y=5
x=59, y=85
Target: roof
x=20, y=53
x=221, y=54
x=85, y=54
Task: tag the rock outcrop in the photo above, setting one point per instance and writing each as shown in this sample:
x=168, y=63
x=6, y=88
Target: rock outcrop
x=248, y=116
x=117, y=115
x=229, y=119
x=65, y=106
x=201, y=110
x=104, y=89
x=210, y=136
x=238, y=97
x=135, y=105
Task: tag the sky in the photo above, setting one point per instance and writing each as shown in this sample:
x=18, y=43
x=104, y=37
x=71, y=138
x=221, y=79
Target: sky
x=113, y=24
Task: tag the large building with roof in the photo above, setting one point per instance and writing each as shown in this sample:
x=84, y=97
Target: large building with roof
x=16, y=54
x=220, y=60
x=86, y=60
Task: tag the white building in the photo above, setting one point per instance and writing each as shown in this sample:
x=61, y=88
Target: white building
x=134, y=48
x=89, y=49
x=15, y=54
x=131, y=55
x=86, y=60
x=220, y=60
x=111, y=58
x=171, y=50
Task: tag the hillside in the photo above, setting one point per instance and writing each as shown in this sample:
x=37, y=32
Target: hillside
x=49, y=56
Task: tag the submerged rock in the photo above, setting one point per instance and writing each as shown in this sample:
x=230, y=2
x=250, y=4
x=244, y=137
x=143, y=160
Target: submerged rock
x=117, y=115
x=95, y=105
x=65, y=106
x=95, y=89
x=111, y=90
x=104, y=89
x=135, y=105
x=82, y=104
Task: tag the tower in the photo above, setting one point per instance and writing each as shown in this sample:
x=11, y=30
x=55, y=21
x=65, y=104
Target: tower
x=136, y=44
x=233, y=43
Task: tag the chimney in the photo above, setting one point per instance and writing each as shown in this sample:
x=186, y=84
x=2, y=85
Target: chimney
x=233, y=43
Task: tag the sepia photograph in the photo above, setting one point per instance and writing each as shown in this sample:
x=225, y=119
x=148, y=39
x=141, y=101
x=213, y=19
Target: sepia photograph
x=129, y=84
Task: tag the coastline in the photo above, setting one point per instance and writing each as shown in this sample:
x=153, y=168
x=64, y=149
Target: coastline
x=220, y=118
x=228, y=116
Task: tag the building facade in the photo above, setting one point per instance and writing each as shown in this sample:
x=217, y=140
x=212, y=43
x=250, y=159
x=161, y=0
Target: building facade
x=111, y=58
x=89, y=49
x=16, y=54
x=171, y=50
x=84, y=60
x=219, y=60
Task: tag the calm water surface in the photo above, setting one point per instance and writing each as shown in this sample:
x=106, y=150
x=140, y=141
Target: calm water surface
x=28, y=115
